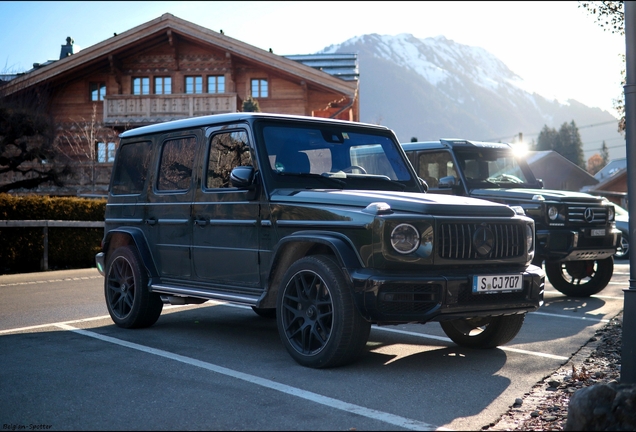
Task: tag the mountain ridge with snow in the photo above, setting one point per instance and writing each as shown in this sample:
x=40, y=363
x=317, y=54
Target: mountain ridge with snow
x=436, y=88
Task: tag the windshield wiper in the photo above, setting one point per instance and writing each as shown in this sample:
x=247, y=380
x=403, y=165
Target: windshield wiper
x=333, y=180
x=382, y=178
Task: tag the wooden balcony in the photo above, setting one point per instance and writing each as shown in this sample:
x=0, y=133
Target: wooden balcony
x=150, y=109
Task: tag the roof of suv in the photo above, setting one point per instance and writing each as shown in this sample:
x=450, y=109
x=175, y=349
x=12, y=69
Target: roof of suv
x=216, y=119
x=452, y=143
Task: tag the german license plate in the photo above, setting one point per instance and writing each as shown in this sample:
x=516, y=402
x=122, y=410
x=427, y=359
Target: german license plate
x=497, y=283
x=598, y=232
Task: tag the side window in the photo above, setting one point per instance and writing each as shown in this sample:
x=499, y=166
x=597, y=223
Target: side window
x=131, y=168
x=227, y=151
x=434, y=166
x=175, y=167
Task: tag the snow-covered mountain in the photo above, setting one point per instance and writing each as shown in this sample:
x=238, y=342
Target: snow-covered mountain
x=436, y=88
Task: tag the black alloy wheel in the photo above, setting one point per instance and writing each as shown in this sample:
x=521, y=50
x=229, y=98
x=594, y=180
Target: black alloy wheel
x=317, y=319
x=622, y=252
x=129, y=302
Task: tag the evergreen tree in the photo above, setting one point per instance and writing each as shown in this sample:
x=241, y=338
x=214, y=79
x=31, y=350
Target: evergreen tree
x=569, y=144
x=547, y=139
x=605, y=154
x=251, y=105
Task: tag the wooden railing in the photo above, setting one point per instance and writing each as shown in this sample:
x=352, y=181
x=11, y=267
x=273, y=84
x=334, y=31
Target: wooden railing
x=45, y=224
x=153, y=108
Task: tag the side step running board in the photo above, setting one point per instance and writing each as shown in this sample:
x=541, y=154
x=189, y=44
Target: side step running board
x=174, y=293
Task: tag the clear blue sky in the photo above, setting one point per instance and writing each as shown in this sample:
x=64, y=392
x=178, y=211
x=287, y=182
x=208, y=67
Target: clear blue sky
x=556, y=47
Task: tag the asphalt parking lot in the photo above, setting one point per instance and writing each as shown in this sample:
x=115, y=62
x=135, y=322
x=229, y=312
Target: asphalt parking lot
x=217, y=366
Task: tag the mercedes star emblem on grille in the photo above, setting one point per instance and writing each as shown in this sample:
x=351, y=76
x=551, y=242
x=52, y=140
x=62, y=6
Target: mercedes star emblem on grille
x=483, y=240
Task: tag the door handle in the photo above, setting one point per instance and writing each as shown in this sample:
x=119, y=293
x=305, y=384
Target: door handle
x=151, y=221
x=201, y=222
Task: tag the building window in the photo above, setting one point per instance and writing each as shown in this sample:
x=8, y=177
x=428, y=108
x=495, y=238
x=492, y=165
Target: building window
x=141, y=86
x=163, y=85
x=194, y=84
x=97, y=91
x=105, y=152
x=216, y=84
x=259, y=88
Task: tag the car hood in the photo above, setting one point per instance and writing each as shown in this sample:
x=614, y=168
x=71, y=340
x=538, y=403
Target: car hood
x=431, y=204
x=528, y=194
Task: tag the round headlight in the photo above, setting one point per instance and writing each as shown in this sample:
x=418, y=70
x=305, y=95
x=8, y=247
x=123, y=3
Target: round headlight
x=529, y=238
x=405, y=238
x=610, y=213
x=553, y=213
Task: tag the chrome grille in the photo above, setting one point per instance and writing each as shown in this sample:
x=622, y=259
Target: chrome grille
x=455, y=240
x=576, y=214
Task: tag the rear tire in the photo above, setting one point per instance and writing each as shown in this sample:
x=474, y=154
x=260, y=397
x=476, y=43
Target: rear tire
x=318, y=321
x=483, y=332
x=580, y=278
x=129, y=302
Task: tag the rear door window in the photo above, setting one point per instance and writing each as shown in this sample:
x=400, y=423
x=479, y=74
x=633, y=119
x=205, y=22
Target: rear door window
x=175, y=167
x=131, y=168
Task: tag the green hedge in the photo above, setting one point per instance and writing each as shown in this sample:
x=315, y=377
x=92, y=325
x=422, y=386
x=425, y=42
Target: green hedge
x=21, y=249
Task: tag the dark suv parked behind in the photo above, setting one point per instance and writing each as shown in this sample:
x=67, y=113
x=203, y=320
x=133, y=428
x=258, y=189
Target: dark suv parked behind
x=576, y=234
x=320, y=223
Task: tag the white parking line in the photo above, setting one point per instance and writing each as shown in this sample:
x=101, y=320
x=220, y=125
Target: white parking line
x=445, y=339
x=558, y=294
x=252, y=379
x=50, y=280
x=35, y=327
x=583, y=318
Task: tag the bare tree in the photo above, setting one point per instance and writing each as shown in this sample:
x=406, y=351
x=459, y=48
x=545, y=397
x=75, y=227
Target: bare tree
x=610, y=16
x=78, y=141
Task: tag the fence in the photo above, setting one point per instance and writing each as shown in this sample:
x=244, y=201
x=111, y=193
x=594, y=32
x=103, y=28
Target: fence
x=45, y=224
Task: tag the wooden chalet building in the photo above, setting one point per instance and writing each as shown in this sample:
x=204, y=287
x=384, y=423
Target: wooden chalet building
x=168, y=69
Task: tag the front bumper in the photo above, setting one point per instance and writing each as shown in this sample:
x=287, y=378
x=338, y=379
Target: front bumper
x=99, y=262
x=395, y=299
x=576, y=245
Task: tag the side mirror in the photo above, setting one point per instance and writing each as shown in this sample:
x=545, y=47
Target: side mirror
x=447, y=182
x=423, y=183
x=242, y=177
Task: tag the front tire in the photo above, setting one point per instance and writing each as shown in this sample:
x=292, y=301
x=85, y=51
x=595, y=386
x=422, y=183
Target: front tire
x=129, y=302
x=318, y=322
x=483, y=332
x=580, y=278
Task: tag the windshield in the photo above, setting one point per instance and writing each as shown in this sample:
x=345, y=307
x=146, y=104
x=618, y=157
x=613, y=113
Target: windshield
x=328, y=156
x=488, y=168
